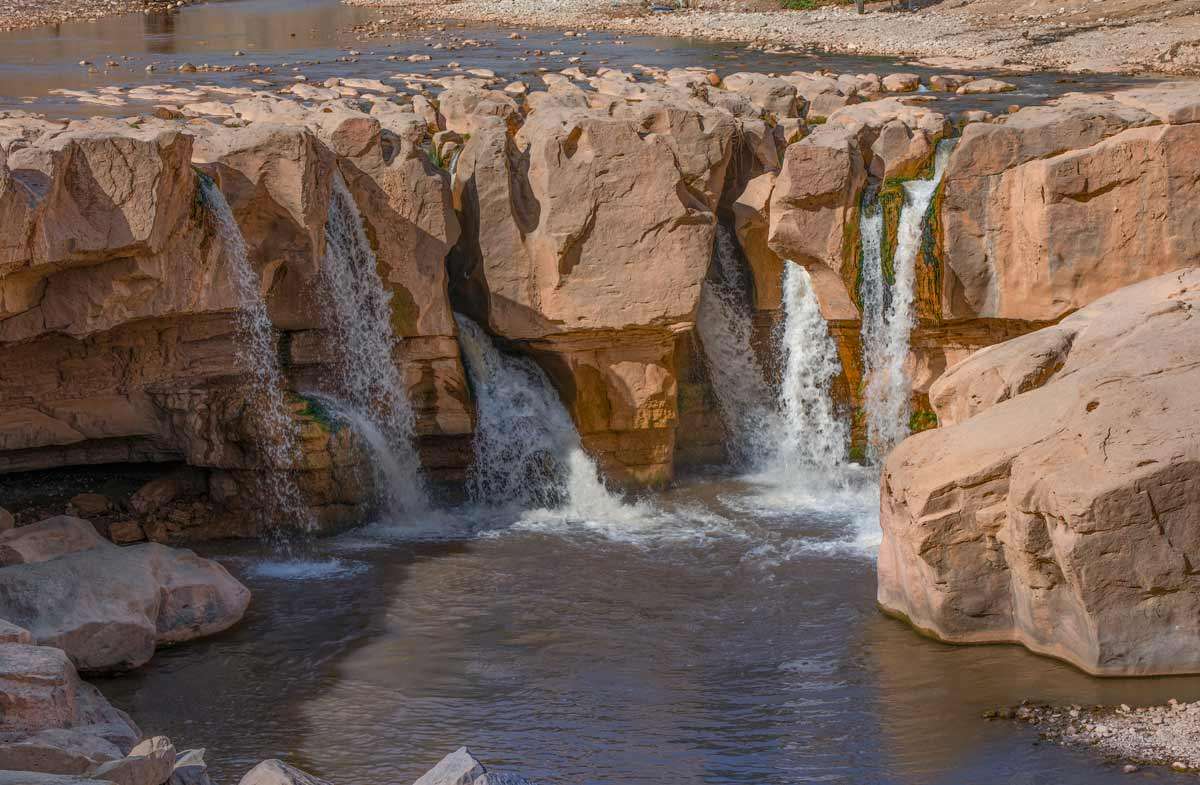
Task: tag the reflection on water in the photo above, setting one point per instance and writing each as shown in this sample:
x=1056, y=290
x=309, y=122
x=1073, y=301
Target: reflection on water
x=715, y=644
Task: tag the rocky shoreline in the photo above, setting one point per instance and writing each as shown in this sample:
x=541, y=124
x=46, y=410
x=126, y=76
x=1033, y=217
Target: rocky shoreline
x=1165, y=735
x=22, y=15
x=1073, y=36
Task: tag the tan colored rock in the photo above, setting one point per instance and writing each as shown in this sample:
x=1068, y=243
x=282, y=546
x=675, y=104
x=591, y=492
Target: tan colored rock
x=948, y=83
x=56, y=751
x=985, y=87
x=1061, y=512
x=591, y=251
x=901, y=83
x=6, y=520
x=149, y=763
x=1060, y=205
x=770, y=94
x=464, y=107
x=126, y=532
x=163, y=490
x=109, y=607
x=275, y=772
x=89, y=504
x=11, y=633
x=48, y=539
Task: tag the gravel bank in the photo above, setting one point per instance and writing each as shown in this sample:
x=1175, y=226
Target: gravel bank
x=23, y=14
x=1153, y=735
x=1071, y=35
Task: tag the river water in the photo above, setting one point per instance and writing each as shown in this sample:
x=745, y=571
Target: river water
x=724, y=631
x=314, y=37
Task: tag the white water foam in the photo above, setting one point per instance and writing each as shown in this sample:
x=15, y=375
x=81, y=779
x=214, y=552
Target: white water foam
x=373, y=396
x=886, y=332
x=725, y=327
x=527, y=451
x=812, y=437
x=259, y=359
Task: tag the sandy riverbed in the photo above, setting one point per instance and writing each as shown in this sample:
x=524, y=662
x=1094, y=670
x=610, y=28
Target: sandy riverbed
x=1072, y=35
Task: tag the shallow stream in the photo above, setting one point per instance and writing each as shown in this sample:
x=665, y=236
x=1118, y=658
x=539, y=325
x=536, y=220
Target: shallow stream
x=724, y=632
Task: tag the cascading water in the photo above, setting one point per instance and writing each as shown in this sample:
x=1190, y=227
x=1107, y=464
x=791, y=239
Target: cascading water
x=258, y=357
x=371, y=388
x=886, y=329
x=811, y=434
x=725, y=328
x=527, y=451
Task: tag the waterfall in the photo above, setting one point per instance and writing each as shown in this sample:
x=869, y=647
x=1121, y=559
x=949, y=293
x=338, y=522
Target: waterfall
x=810, y=434
x=527, y=450
x=886, y=330
x=257, y=355
x=371, y=387
x=724, y=324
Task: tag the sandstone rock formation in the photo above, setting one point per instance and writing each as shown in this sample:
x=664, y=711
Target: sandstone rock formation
x=50, y=721
x=1059, y=508
x=587, y=236
x=1060, y=205
x=109, y=607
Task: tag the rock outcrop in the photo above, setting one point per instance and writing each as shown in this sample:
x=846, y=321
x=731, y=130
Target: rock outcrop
x=109, y=607
x=588, y=234
x=51, y=722
x=577, y=227
x=1062, y=204
x=1059, y=507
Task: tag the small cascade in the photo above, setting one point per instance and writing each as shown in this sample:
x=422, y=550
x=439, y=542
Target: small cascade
x=810, y=435
x=527, y=450
x=258, y=357
x=888, y=320
x=369, y=379
x=725, y=328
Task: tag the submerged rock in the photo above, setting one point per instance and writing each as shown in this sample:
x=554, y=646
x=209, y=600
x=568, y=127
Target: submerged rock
x=1065, y=492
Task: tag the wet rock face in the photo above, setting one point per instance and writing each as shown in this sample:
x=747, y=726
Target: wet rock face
x=1060, y=510
x=118, y=319
x=588, y=234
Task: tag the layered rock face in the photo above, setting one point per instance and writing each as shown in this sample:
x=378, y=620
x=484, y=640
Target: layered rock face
x=588, y=234
x=1038, y=214
x=1061, y=205
x=119, y=329
x=579, y=229
x=1059, y=508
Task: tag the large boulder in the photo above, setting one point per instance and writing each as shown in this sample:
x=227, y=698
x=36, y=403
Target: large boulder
x=1060, y=508
x=1062, y=204
x=109, y=607
x=587, y=236
x=48, y=539
x=50, y=721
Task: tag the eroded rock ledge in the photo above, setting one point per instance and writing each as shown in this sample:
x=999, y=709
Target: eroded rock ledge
x=576, y=223
x=1060, y=506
